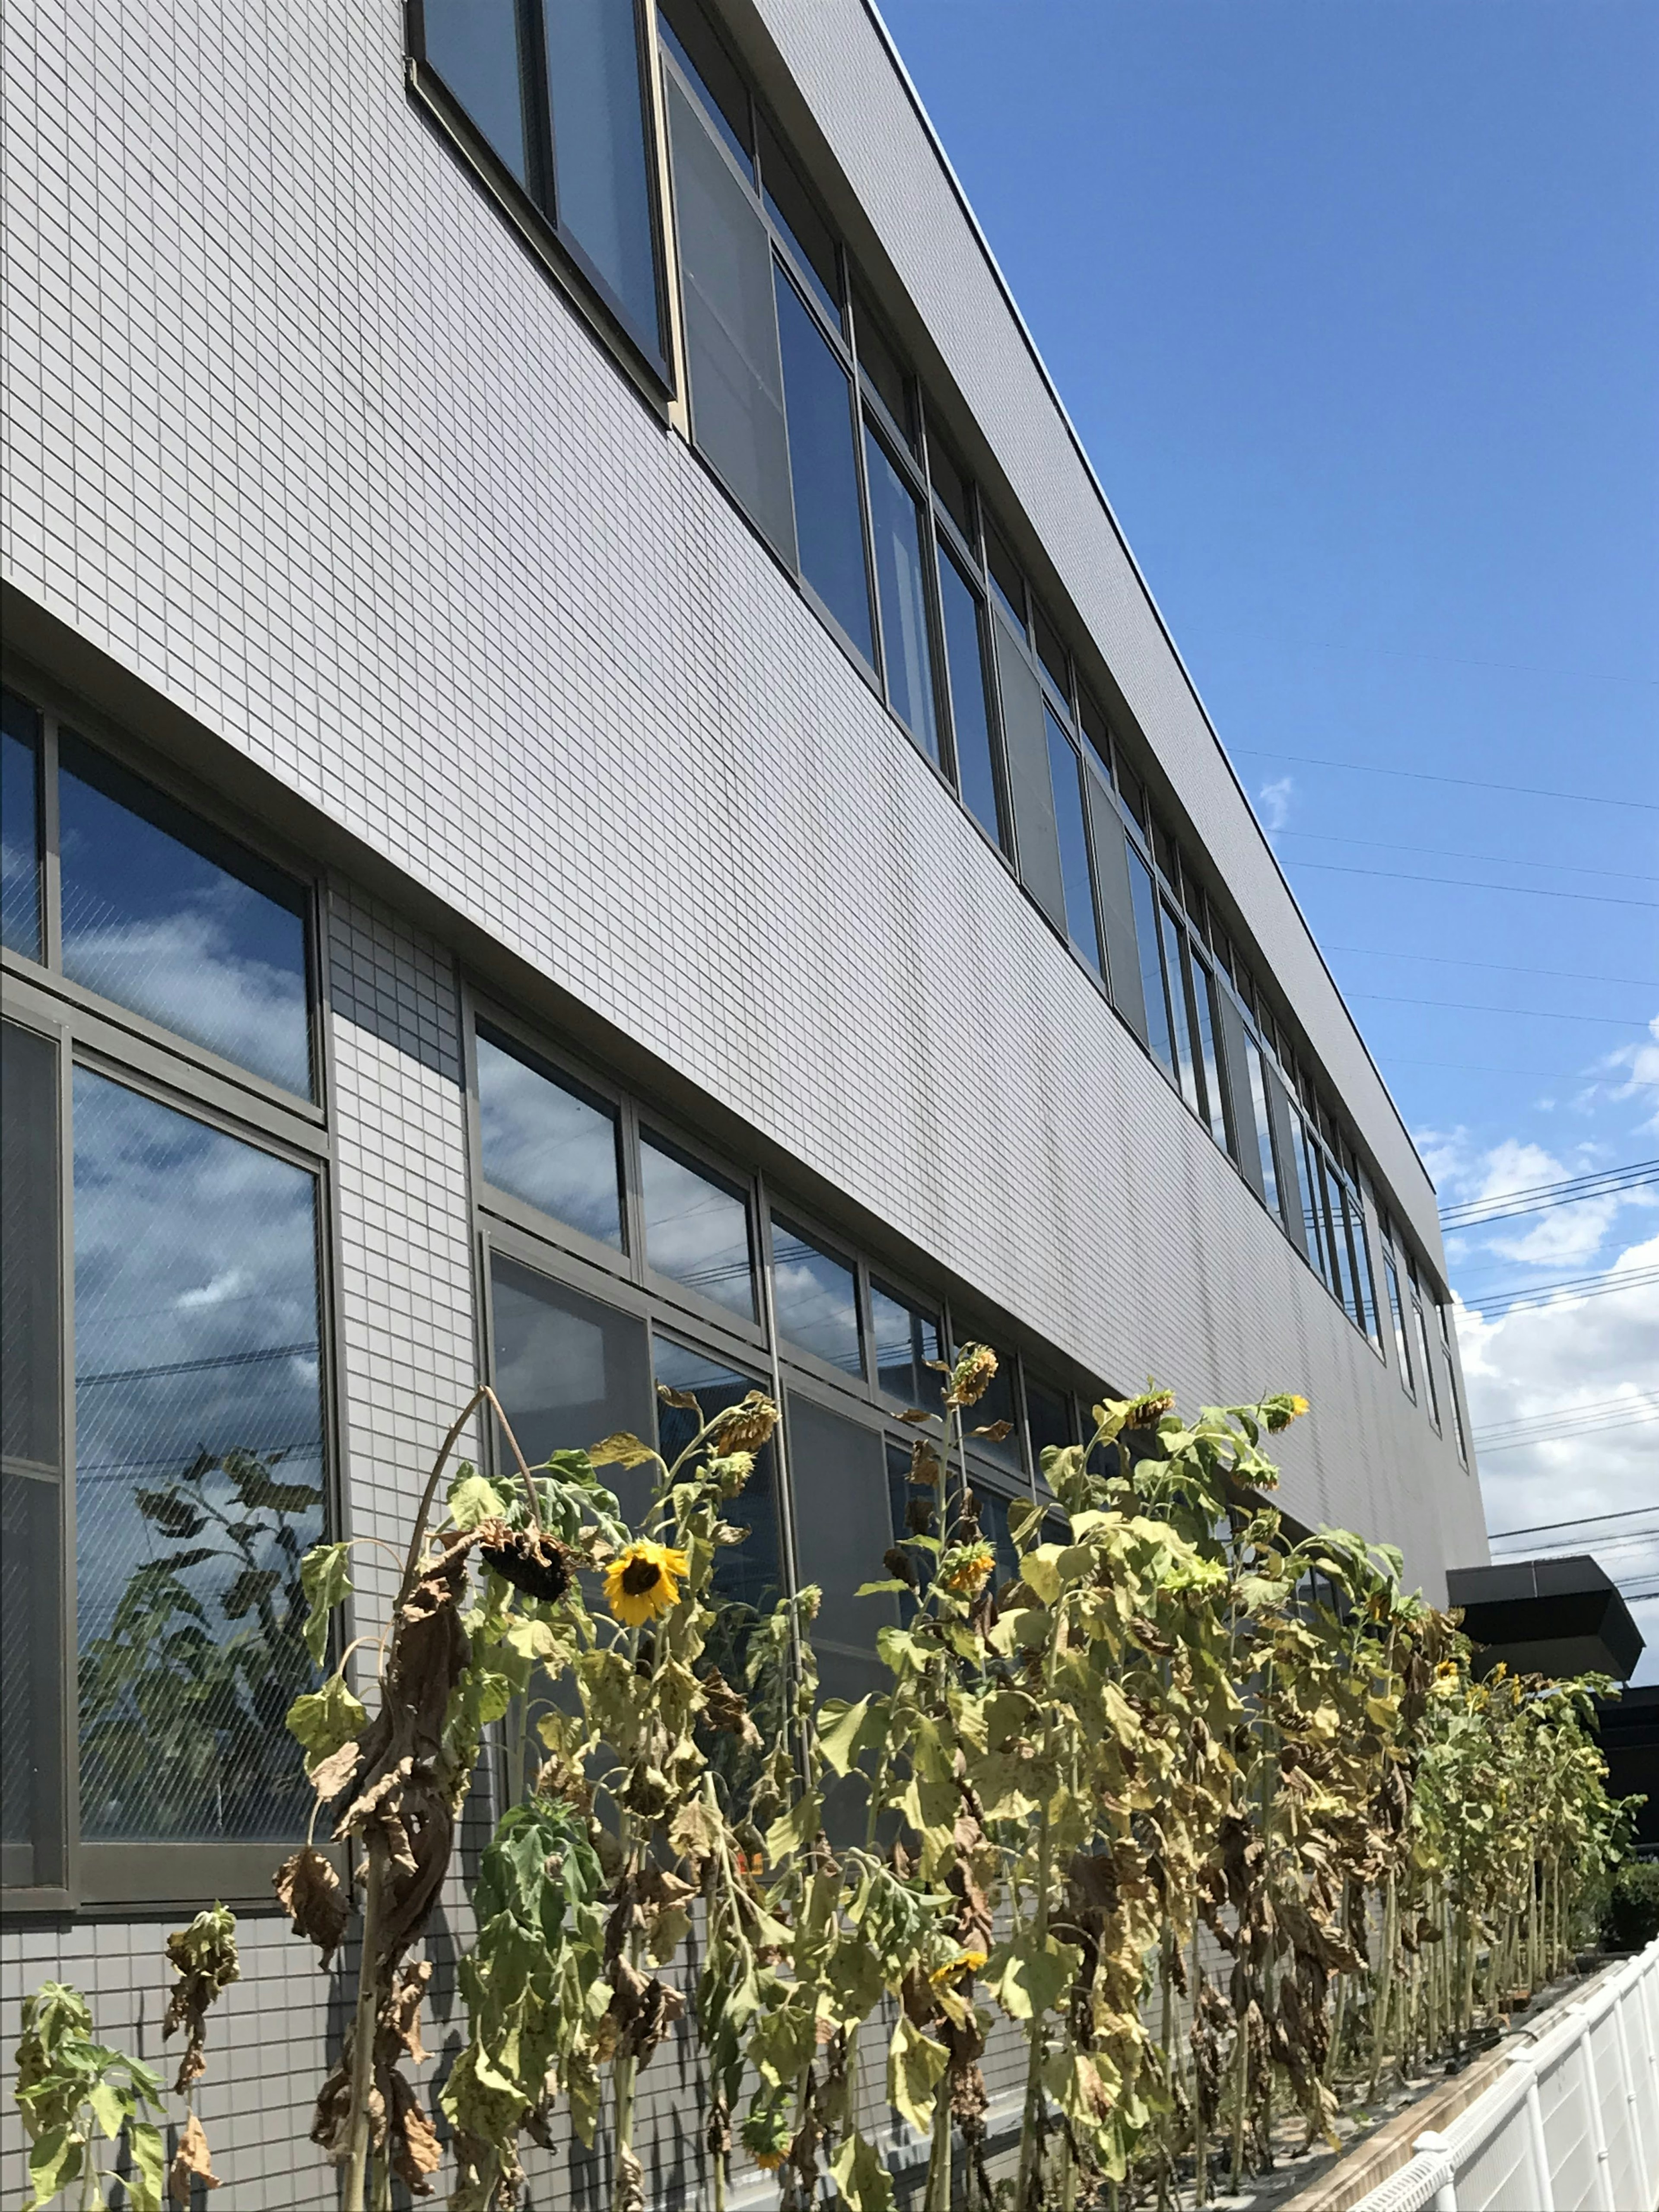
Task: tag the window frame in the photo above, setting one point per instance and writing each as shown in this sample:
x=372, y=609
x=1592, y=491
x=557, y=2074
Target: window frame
x=649, y=365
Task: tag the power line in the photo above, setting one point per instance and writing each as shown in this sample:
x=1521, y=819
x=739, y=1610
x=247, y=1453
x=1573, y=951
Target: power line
x=1495, y=967
x=1620, y=1400
x=1564, y=1435
x=1450, y=853
x=1569, y=1548
x=1543, y=1074
x=1468, y=782
x=1468, y=883
x=1534, y=1198
x=1528, y=1013
x=1580, y=1521
x=1501, y=1306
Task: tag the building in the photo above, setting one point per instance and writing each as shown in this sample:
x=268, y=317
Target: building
x=591, y=790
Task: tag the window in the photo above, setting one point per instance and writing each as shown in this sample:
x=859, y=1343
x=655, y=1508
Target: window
x=1215, y=1097
x=907, y=1338
x=1006, y=579
x=750, y=1575
x=696, y=1228
x=901, y=554
x=1174, y=967
x=840, y=1493
x=1145, y=902
x=1072, y=824
x=810, y=241
x=20, y=826
x=999, y=1407
x=885, y=375
x=1047, y=1418
x=815, y=1299
x=568, y=1371
x=1430, y=1396
x=557, y=94
x=712, y=75
x=964, y=650
x=1397, y=1314
x=190, y=1292
x=1264, y=1128
x=949, y=481
x=547, y=1140
x=198, y=1470
x=824, y=468
x=1051, y=652
x=163, y=915
x=1451, y=1388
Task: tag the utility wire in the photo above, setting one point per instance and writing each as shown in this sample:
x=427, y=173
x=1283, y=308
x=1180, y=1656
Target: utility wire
x=1468, y=782
x=1526, y=1013
x=1564, y=1435
x=1538, y=1197
x=1469, y=883
x=1499, y=1306
x=1544, y=1074
x=1495, y=967
x=1451, y=853
x=1579, y=1521
x=1621, y=1402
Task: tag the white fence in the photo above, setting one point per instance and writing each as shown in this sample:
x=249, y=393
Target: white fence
x=1572, y=2127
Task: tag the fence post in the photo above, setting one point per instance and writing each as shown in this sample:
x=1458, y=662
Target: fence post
x=1541, y=2156
x=1432, y=2143
x=1598, y=2126
x=1627, y=2067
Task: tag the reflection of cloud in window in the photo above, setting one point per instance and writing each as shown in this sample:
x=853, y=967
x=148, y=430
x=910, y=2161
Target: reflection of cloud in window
x=545, y=1145
x=696, y=1232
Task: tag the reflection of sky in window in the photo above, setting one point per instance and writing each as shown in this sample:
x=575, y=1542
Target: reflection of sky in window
x=20, y=865
x=997, y=1405
x=906, y=1337
x=749, y=1573
x=548, y=1144
x=695, y=1229
x=196, y=1337
x=152, y=921
x=817, y=1299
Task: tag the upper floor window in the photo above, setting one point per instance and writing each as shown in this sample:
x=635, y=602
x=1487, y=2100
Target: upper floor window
x=547, y=1140
x=557, y=90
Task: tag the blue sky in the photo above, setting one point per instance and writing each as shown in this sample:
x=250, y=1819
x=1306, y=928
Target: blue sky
x=1355, y=304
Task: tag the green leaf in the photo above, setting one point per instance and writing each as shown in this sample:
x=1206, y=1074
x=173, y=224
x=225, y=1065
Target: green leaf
x=915, y=2065
x=1029, y=1978
x=622, y=1449
x=884, y=1589
x=472, y=1498
x=323, y=1720
x=855, y=1729
x=860, y=2177
x=325, y=1579
x=793, y=1829
x=110, y=2106
x=55, y=2160
x=149, y=2157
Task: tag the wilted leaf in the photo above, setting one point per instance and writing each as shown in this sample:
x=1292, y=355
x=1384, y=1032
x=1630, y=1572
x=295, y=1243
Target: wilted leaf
x=624, y=1449
x=192, y=2161
x=472, y=1498
x=309, y=1890
x=861, y=2176
x=325, y=1579
x=324, y=1720
x=915, y=2067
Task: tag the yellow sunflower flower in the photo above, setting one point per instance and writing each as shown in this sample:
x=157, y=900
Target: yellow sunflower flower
x=644, y=1580
x=969, y=1569
x=768, y=2160
x=965, y=1962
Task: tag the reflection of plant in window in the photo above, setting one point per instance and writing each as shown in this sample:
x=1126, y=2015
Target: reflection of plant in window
x=182, y=1699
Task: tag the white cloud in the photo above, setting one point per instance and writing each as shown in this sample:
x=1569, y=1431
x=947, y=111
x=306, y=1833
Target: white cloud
x=1273, y=803
x=1634, y=1072
x=1600, y=1354
x=1560, y=1238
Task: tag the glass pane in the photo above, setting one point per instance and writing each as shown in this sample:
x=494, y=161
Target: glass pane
x=732, y=363
x=811, y=245
x=601, y=180
x=1151, y=964
x=950, y=480
x=838, y=1482
x=1095, y=729
x=817, y=1299
x=712, y=75
x=31, y=1642
x=547, y=1141
x=994, y=1512
x=1174, y=963
x=199, y=1476
x=696, y=1229
x=1450, y=1379
x=1072, y=826
x=895, y=522
x=1429, y=1394
x=1005, y=578
x=1361, y=1264
x=473, y=45
x=20, y=825
x=964, y=653
x=568, y=1371
x=1208, y=1022
x=1397, y=1314
x=749, y=1575
x=997, y=1406
x=29, y=1319
x=829, y=527
x=164, y=915
x=1051, y=652
x=1047, y=1418
x=884, y=370
x=907, y=1337
x=1264, y=1128
x=1312, y=1222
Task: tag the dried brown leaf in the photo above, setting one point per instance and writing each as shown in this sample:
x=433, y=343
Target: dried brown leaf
x=308, y=1890
x=193, y=2162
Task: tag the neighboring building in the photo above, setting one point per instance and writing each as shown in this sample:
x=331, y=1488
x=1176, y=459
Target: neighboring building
x=591, y=792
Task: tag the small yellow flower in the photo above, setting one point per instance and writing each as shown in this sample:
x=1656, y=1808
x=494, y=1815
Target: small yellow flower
x=1281, y=1411
x=965, y=1962
x=644, y=1580
x=768, y=2160
x=970, y=1569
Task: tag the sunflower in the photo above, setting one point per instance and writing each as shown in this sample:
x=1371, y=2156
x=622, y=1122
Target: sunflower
x=1281, y=1411
x=642, y=1581
x=768, y=2160
x=965, y=1962
x=970, y=1569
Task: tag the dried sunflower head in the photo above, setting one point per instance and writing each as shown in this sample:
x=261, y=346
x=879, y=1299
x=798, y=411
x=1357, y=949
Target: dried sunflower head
x=968, y=1569
x=1149, y=1409
x=1279, y=1412
x=536, y=1565
x=746, y=1427
x=972, y=1375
